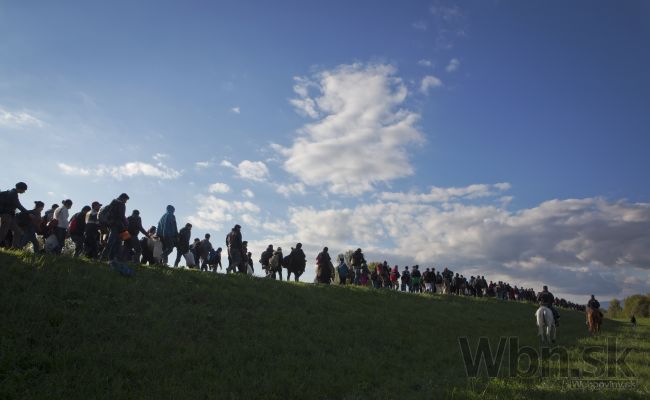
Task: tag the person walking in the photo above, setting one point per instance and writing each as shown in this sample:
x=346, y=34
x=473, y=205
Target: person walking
x=9, y=202
x=167, y=232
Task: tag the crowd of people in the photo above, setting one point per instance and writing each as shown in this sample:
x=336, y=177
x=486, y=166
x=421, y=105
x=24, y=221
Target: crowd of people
x=104, y=232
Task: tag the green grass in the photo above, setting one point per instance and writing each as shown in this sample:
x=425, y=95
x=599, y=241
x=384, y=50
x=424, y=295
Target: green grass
x=72, y=329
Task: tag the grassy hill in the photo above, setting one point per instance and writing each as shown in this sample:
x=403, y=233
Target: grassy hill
x=72, y=329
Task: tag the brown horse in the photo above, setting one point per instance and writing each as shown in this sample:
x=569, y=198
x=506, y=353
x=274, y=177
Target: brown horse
x=594, y=320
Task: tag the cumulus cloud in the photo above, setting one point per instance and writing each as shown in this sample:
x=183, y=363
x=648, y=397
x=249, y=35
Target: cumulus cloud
x=361, y=129
x=575, y=245
x=429, y=82
x=425, y=63
x=453, y=65
x=248, y=193
x=251, y=170
x=219, y=188
x=213, y=212
x=18, y=119
x=127, y=170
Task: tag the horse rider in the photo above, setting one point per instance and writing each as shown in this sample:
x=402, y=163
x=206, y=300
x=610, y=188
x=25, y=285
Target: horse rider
x=546, y=299
x=594, y=305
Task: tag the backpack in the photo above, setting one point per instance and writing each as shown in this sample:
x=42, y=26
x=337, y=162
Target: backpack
x=23, y=219
x=343, y=270
x=104, y=216
x=266, y=256
x=74, y=224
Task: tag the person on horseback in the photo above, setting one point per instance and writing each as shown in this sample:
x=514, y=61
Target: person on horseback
x=594, y=305
x=546, y=299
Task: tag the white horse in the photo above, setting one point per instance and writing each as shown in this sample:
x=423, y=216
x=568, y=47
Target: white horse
x=545, y=324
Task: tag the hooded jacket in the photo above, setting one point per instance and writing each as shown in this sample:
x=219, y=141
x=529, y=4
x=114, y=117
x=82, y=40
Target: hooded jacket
x=167, y=224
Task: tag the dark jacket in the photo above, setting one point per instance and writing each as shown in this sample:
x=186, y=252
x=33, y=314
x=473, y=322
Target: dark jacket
x=9, y=202
x=135, y=225
x=545, y=298
x=118, y=215
x=184, y=236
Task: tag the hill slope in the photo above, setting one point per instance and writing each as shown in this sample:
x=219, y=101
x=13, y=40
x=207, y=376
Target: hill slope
x=76, y=330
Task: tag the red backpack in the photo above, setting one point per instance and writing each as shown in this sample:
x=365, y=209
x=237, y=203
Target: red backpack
x=72, y=227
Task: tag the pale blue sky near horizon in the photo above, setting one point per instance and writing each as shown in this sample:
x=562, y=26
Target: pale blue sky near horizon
x=505, y=137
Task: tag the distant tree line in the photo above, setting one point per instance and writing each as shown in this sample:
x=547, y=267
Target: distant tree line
x=637, y=305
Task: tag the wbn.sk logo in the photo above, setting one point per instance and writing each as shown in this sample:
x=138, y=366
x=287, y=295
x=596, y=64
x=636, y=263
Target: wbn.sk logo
x=605, y=362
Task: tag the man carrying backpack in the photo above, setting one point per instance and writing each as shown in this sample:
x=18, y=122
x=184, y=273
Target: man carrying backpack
x=183, y=245
x=168, y=232
x=343, y=270
x=9, y=202
x=406, y=279
x=357, y=261
x=114, y=217
x=77, y=228
x=91, y=231
x=204, y=251
x=132, y=246
x=234, y=243
x=265, y=258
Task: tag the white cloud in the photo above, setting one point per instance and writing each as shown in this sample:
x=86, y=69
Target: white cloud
x=429, y=82
x=213, y=212
x=127, y=170
x=555, y=242
x=288, y=190
x=360, y=115
x=235, y=110
x=248, y=193
x=219, y=188
x=227, y=164
x=450, y=23
x=160, y=157
x=453, y=65
x=18, y=119
x=251, y=170
x=425, y=63
x=202, y=164
x=442, y=195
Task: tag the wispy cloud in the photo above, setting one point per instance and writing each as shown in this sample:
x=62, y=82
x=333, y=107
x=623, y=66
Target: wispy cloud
x=202, y=164
x=425, y=63
x=453, y=65
x=235, y=110
x=429, y=82
x=359, y=115
x=127, y=170
x=419, y=25
x=19, y=119
x=248, y=193
x=441, y=195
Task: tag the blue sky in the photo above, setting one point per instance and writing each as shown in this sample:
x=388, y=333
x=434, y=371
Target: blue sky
x=507, y=138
